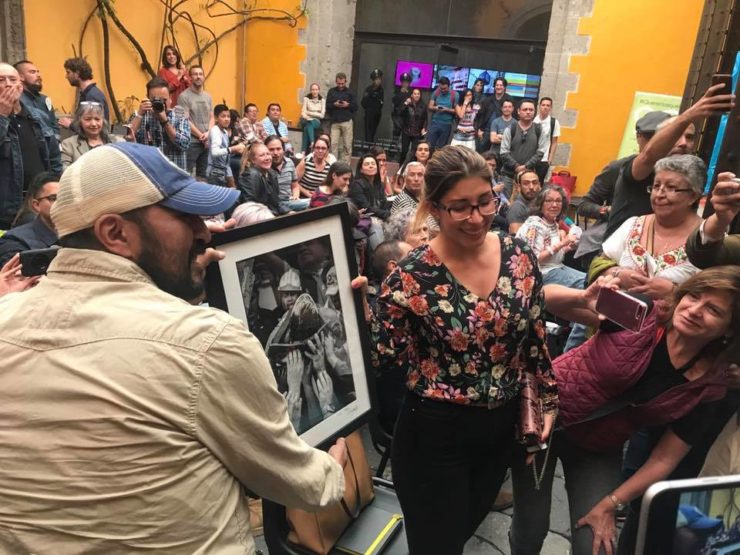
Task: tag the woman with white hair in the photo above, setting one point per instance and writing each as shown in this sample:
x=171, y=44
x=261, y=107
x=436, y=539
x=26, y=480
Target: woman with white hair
x=89, y=119
x=648, y=253
x=402, y=226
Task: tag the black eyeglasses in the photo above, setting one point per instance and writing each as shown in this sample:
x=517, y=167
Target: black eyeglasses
x=50, y=198
x=459, y=212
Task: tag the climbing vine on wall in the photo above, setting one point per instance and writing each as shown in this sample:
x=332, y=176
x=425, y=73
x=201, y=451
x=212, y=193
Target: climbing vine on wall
x=176, y=20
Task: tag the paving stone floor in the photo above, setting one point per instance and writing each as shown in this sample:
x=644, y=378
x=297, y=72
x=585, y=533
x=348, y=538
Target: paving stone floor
x=491, y=537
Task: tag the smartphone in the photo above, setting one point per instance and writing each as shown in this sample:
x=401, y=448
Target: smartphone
x=725, y=79
x=622, y=308
x=689, y=516
x=36, y=262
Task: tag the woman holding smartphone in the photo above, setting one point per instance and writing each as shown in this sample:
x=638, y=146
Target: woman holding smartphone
x=461, y=318
x=669, y=373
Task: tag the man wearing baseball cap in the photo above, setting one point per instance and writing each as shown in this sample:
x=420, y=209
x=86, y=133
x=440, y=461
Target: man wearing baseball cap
x=399, y=99
x=132, y=420
x=674, y=136
x=372, y=102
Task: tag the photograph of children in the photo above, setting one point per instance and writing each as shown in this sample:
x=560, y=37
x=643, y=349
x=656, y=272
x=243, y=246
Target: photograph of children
x=291, y=299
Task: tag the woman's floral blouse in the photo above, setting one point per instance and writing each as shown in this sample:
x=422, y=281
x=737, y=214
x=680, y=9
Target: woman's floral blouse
x=457, y=347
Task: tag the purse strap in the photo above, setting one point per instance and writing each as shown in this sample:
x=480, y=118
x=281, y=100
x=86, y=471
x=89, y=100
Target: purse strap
x=352, y=514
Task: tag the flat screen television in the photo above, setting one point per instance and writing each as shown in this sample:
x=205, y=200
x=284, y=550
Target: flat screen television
x=457, y=75
x=488, y=76
x=523, y=85
x=421, y=73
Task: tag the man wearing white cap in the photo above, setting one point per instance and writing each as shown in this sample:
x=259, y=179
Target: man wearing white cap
x=131, y=420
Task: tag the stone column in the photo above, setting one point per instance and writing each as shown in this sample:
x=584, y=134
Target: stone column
x=563, y=41
x=12, y=31
x=329, y=40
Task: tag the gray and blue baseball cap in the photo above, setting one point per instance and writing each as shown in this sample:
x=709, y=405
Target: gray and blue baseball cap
x=119, y=177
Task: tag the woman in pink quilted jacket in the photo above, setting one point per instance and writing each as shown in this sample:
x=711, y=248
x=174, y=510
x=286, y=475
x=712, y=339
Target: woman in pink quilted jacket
x=671, y=373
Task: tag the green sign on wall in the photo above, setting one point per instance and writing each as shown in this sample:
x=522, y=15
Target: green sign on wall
x=645, y=102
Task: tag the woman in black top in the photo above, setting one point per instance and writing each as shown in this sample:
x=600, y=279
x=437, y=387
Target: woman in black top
x=366, y=190
x=414, y=119
x=258, y=183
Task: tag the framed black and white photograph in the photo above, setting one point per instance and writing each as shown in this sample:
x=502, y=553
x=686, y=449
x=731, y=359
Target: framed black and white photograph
x=288, y=279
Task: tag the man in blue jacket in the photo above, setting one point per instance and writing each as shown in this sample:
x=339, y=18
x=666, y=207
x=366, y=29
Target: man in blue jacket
x=28, y=145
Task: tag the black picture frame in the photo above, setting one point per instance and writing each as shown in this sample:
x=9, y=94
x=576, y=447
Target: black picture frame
x=231, y=285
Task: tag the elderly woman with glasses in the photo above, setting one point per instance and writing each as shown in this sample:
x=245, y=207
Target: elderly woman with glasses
x=549, y=242
x=89, y=119
x=648, y=253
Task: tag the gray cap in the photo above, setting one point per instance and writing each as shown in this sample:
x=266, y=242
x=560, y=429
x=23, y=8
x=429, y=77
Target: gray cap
x=649, y=122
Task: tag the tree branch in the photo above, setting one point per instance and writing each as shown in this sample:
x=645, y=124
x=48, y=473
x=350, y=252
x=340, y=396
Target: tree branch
x=146, y=66
x=106, y=62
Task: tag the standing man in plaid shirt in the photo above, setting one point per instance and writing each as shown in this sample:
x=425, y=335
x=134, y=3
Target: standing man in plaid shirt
x=156, y=124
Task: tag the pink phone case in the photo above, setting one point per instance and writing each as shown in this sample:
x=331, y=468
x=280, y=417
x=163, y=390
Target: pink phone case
x=622, y=309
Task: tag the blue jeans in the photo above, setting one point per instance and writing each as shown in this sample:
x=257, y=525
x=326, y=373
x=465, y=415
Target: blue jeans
x=589, y=477
x=293, y=205
x=575, y=279
x=438, y=134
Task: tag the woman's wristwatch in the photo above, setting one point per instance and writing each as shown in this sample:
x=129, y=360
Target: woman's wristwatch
x=618, y=504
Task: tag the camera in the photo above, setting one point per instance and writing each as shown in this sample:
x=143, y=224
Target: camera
x=158, y=104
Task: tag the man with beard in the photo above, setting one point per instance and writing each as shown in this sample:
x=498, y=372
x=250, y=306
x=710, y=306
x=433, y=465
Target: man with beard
x=119, y=398
x=32, y=86
x=529, y=185
x=79, y=74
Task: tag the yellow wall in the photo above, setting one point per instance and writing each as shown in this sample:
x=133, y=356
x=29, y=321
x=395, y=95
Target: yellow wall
x=635, y=46
x=272, y=63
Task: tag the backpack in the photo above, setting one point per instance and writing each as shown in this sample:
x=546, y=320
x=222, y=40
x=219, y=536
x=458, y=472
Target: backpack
x=515, y=130
x=453, y=97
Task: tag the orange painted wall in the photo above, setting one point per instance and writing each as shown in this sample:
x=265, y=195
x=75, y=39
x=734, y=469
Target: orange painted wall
x=272, y=61
x=635, y=46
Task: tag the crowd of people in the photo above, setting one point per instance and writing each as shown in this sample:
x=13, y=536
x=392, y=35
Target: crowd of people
x=124, y=396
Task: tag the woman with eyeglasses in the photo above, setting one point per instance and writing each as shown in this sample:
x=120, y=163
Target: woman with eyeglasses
x=549, y=243
x=173, y=71
x=312, y=170
x=461, y=317
x=648, y=253
x=92, y=133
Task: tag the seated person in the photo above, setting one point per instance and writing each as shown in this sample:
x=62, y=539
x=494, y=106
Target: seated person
x=258, y=183
x=274, y=125
x=527, y=185
x=38, y=233
x=367, y=193
x=311, y=171
x=549, y=243
x=648, y=253
x=402, y=226
x=336, y=185
x=413, y=183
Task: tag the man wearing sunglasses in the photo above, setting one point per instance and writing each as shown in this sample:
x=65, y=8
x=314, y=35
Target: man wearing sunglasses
x=28, y=145
x=38, y=233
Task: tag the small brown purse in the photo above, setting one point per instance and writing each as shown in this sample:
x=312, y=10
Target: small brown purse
x=530, y=418
x=320, y=531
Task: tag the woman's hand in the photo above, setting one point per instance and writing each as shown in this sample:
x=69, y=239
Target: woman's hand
x=591, y=293
x=547, y=426
x=630, y=278
x=655, y=288
x=360, y=282
x=603, y=525
x=11, y=280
